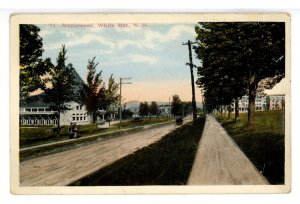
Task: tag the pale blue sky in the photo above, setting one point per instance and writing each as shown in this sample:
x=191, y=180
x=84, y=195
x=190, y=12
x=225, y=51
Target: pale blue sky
x=148, y=54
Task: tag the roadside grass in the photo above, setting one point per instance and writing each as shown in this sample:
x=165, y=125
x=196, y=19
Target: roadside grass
x=264, y=144
x=166, y=162
x=32, y=136
x=142, y=122
x=37, y=151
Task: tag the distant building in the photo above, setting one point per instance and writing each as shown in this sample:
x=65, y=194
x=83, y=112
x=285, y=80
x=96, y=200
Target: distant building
x=260, y=104
x=277, y=102
x=39, y=112
x=269, y=102
x=164, y=109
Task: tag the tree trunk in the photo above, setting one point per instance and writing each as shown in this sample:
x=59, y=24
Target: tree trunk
x=221, y=111
x=236, y=112
x=251, y=107
x=229, y=111
x=58, y=124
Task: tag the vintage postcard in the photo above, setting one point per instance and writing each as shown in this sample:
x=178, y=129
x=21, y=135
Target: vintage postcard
x=150, y=103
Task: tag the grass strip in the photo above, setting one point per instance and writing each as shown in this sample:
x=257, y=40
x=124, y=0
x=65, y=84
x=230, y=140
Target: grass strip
x=166, y=162
x=46, y=149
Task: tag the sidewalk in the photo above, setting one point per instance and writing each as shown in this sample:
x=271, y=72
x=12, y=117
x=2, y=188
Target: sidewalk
x=219, y=161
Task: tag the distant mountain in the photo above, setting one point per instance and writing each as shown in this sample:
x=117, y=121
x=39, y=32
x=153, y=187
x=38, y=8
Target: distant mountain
x=135, y=104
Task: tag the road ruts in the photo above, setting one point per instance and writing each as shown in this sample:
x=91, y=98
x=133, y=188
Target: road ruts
x=63, y=168
x=219, y=161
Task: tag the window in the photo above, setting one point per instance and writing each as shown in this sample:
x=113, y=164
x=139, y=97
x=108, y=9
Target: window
x=77, y=107
x=77, y=118
x=41, y=109
x=73, y=118
x=80, y=118
x=34, y=110
x=28, y=109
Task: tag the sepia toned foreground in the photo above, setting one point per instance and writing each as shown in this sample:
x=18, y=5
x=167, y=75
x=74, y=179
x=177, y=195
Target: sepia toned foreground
x=219, y=161
x=63, y=168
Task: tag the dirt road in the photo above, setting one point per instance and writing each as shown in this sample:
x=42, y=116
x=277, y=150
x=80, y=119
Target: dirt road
x=63, y=168
x=220, y=161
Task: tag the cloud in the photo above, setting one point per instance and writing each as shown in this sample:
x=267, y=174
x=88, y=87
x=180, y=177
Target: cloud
x=83, y=40
x=143, y=59
x=45, y=32
x=69, y=33
x=173, y=33
x=150, y=39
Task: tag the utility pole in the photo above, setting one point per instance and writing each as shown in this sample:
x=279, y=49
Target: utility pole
x=189, y=43
x=120, y=102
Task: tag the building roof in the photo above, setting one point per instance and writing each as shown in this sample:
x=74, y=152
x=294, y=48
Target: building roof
x=38, y=100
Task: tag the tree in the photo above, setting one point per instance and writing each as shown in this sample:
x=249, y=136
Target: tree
x=62, y=86
x=187, y=108
x=94, y=89
x=176, y=106
x=153, y=109
x=144, y=109
x=220, y=80
x=32, y=66
x=112, y=96
x=236, y=57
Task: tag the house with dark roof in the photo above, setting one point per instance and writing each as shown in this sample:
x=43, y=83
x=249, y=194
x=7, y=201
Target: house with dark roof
x=36, y=111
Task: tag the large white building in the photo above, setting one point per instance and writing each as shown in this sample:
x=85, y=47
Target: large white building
x=39, y=112
x=260, y=103
x=277, y=101
x=269, y=102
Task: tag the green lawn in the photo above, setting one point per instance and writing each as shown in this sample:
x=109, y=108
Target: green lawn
x=166, y=162
x=31, y=136
x=264, y=145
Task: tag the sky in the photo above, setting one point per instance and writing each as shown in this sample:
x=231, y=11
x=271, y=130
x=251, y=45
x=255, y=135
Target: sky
x=151, y=54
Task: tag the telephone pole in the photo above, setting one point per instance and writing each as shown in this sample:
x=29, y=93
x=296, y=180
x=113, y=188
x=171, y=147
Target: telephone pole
x=189, y=43
x=120, y=102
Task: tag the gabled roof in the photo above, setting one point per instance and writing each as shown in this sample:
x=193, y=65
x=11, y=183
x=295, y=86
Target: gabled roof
x=38, y=100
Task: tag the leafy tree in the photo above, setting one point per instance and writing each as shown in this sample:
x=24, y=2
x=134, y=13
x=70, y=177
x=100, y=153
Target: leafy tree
x=220, y=79
x=95, y=90
x=187, y=108
x=32, y=66
x=144, y=109
x=236, y=57
x=153, y=109
x=62, y=86
x=176, y=105
x=112, y=96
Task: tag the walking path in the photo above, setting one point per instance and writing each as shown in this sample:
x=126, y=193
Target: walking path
x=219, y=161
x=63, y=168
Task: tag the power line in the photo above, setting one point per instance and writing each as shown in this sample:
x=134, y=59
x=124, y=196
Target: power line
x=120, y=102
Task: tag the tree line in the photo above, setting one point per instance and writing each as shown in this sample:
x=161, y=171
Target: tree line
x=238, y=58
x=58, y=82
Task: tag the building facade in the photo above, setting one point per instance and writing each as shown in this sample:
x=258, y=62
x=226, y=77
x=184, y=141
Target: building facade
x=40, y=113
x=37, y=111
x=277, y=102
x=269, y=102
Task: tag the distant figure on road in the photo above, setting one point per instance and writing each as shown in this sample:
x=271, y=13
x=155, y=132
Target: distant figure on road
x=73, y=131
